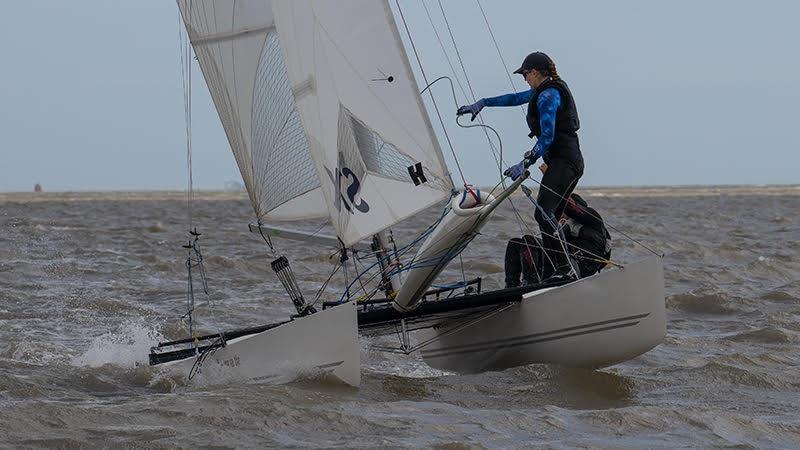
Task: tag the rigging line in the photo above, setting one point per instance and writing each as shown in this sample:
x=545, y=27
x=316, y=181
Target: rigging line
x=568, y=244
x=463, y=275
x=455, y=46
x=186, y=77
x=433, y=99
x=499, y=53
x=325, y=284
x=182, y=51
x=396, y=254
x=557, y=226
x=189, y=129
x=499, y=158
x=233, y=62
x=355, y=267
x=441, y=45
x=657, y=253
x=520, y=220
x=481, y=124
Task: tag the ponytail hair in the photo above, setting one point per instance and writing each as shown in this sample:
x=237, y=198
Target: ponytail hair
x=551, y=70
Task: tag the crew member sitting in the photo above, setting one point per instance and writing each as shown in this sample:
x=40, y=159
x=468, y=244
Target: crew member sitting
x=588, y=243
x=588, y=240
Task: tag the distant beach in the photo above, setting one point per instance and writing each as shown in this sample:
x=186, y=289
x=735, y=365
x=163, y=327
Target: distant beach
x=226, y=195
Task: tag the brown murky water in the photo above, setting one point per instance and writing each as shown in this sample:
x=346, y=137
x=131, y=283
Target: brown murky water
x=89, y=281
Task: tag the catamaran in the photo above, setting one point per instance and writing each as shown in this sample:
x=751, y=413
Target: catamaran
x=326, y=120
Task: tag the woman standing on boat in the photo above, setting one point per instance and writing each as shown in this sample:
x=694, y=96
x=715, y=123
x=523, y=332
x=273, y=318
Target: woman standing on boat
x=553, y=118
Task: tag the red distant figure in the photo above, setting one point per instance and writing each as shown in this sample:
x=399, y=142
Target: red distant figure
x=37, y=188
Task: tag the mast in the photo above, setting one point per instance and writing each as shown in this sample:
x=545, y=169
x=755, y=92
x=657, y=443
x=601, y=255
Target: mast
x=387, y=262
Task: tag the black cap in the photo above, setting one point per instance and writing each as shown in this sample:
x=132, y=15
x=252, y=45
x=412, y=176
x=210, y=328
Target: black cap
x=536, y=60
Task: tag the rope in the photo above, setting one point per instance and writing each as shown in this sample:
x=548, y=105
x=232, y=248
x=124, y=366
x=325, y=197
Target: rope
x=195, y=259
x=325, y=284
x=184, y=49
x=446, y=55
x=388, y=259
x=455, y=47
x=195, y=256
x=201, y=358
x=497, y=157
x=657, y=253
x=481, y=125
x=433, y=99
x=267, y=239
x=523, y=226
x=185, y=52
x=499, y=53
x=558, y=227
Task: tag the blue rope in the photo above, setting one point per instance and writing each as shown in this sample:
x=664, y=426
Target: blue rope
x=402, y=250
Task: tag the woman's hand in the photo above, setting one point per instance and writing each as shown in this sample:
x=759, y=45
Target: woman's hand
x=473, y=109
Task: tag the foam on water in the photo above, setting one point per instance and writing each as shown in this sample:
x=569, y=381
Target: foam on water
x=126, y=347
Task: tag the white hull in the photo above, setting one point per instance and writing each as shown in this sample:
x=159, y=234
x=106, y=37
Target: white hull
x=457, y=227
x=594, y=322
x=322, y=343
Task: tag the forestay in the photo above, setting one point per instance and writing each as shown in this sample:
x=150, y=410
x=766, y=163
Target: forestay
x=240, y=54
x=370, y=137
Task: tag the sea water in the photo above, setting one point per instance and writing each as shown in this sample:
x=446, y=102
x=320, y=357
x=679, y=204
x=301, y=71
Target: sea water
x=89, y=281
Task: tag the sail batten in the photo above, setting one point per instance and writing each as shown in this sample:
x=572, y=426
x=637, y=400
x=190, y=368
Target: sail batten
x=231, y=35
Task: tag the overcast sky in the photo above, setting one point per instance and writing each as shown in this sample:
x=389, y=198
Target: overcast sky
x=668, y=92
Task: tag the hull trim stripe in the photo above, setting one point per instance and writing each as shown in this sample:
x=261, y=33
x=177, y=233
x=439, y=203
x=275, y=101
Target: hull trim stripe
x=538, y=337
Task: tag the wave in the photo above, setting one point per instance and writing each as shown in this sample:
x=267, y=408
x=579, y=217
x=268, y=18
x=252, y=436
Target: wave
x=767, y=335
x=696, y=303
x=714, y=373
x=789, y=292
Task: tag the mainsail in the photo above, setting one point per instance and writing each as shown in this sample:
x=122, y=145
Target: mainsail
x=321, y=110
x=240, y=55
x=369, y=134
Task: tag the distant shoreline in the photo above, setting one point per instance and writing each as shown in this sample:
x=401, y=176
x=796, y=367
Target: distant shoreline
x=222, y=195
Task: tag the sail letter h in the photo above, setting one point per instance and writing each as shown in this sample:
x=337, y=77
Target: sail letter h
x=417, y=176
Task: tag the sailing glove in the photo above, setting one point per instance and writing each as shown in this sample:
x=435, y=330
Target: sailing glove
x=473, y=109
x=516, y=171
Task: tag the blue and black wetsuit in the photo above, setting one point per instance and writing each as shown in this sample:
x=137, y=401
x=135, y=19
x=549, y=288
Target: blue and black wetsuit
x=553, y=118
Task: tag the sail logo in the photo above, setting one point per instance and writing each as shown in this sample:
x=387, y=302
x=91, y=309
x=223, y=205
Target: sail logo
x=350, y=197
x=416, y=174
x=231, y=362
